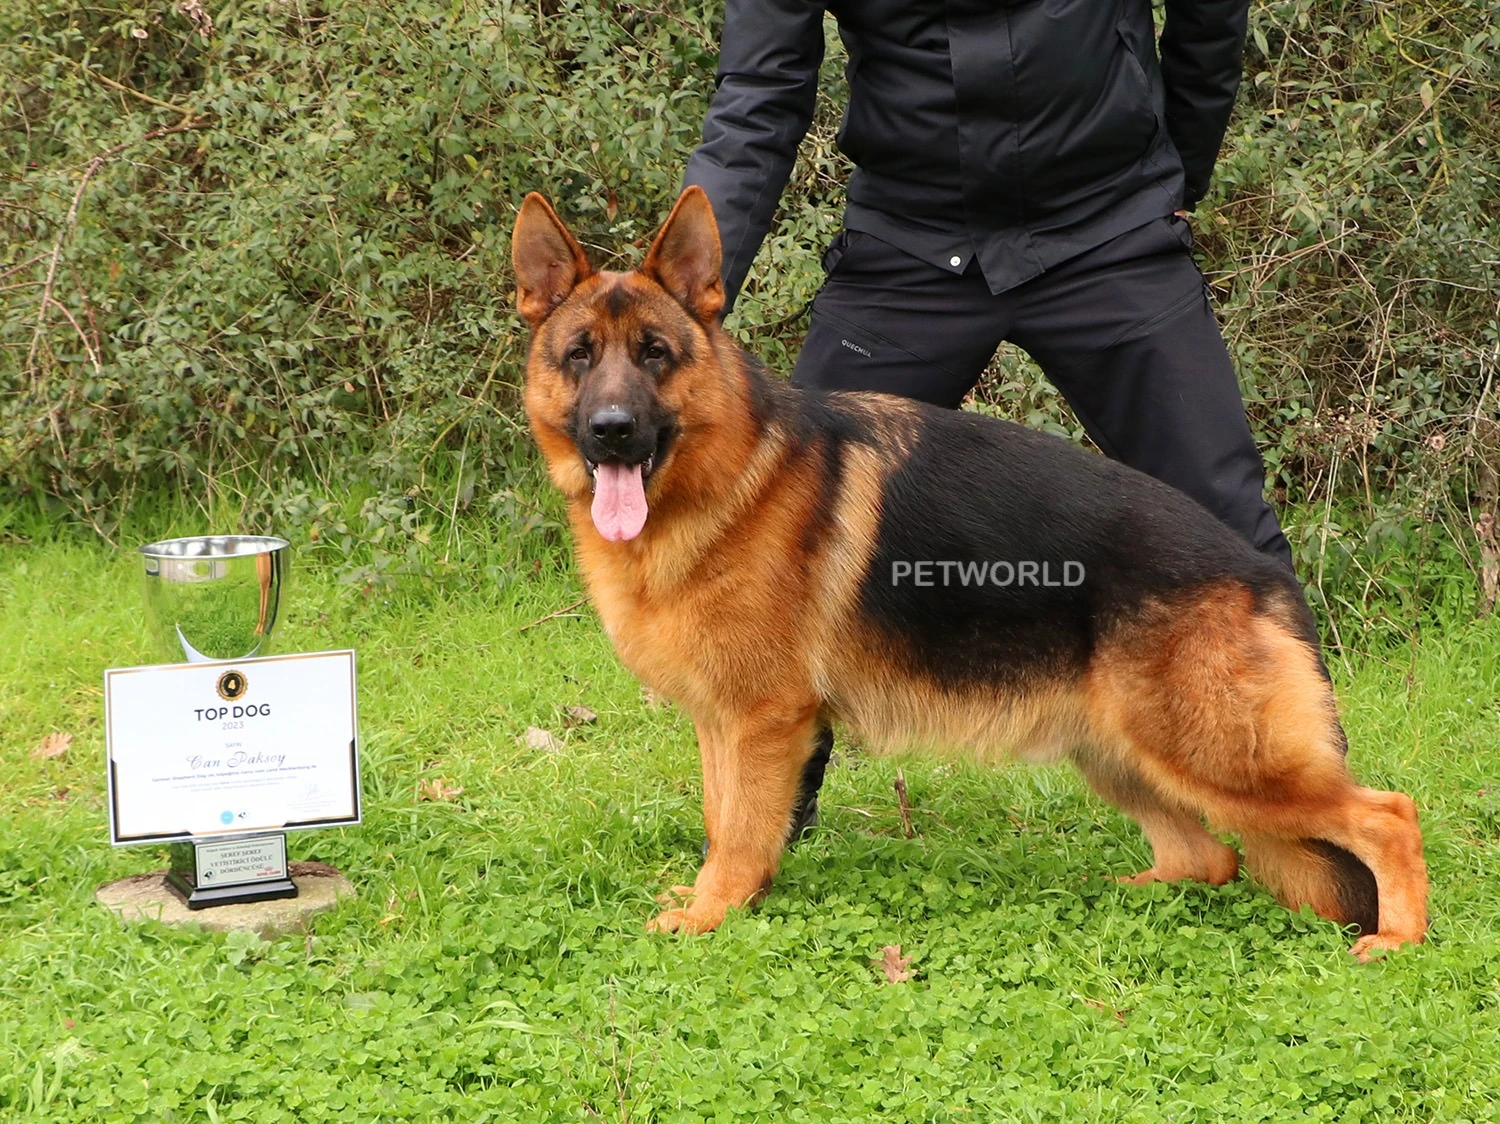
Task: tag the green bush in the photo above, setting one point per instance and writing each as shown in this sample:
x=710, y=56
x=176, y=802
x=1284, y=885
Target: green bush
x=292, y=258
x=254, y=252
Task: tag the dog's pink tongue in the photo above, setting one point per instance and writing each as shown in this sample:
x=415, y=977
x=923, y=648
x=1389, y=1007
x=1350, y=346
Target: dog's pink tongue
x=619, y=501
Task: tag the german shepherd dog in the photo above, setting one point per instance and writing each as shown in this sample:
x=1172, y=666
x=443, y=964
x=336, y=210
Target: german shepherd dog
x=773, y=560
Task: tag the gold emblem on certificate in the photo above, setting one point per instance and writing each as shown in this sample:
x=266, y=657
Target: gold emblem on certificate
x=232, y=685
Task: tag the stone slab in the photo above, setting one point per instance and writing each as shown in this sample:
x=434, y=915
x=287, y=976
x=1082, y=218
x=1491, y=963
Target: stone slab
x=144, y=897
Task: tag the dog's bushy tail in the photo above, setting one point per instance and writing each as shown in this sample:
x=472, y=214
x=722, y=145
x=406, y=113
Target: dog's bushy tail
x=1316, y=873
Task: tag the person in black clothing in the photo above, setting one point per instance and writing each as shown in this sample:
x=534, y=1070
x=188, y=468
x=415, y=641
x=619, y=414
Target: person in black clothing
x=1023, y=170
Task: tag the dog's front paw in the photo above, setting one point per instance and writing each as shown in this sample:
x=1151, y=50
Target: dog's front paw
x=700, y=917
x=1365, y=948
x=674, y=894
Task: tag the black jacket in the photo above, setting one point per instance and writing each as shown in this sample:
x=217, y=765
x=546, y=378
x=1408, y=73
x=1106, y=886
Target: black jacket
x=1021, y=131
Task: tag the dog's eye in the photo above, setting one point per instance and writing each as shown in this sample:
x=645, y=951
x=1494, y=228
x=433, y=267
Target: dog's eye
x=655, y=352
x=579, y=354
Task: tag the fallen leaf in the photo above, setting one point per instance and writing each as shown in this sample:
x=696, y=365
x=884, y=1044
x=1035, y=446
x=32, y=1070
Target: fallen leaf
x=440, y=788
x=546, y=740
x=893, y=964
x=53, y=745
x=578, y=716
x=1119, y=1014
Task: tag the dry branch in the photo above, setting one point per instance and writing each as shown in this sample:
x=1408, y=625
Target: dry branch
x=904, y=804
x=72, y=219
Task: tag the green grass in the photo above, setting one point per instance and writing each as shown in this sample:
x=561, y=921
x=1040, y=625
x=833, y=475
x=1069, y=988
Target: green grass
x=495, y=965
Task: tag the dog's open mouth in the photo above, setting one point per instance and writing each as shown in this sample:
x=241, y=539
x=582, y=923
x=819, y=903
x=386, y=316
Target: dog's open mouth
x=619, y=507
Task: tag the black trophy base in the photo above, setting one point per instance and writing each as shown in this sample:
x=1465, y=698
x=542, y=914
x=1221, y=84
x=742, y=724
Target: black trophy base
x=201, y=897
x=249, y=868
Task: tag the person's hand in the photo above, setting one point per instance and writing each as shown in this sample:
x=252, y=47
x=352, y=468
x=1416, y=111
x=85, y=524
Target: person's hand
x=1181, y=214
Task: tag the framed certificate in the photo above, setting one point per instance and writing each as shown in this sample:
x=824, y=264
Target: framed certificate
x=231, y=748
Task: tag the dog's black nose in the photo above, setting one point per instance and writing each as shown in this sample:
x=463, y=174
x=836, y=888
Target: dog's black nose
x=612, y=425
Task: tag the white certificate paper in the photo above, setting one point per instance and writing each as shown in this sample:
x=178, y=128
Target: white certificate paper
x=231, y=747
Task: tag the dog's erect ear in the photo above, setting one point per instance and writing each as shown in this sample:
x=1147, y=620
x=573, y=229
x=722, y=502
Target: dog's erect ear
x=549, y=261
x=685, y=259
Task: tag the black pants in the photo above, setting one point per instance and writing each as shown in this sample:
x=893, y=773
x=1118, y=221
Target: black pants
x=1125, y=331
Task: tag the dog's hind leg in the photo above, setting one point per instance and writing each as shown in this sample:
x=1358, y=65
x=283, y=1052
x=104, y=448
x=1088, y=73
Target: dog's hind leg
x=1224, y=708
x=1289, y=795
x=1376, y=830
x=752, y=769
x=1181, y=847
x=1313, y=872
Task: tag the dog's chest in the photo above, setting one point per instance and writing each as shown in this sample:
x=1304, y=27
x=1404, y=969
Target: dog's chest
x=702, y=642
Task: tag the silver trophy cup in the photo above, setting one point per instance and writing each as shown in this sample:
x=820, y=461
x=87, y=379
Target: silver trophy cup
x=214, y=597
x=217, y=597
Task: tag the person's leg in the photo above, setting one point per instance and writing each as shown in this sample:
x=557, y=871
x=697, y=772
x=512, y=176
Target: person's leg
x=889, y=322
x=1127, y=334
x=886, y=321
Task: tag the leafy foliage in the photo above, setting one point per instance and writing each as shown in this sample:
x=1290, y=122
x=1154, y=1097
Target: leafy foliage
x=260, y=255
x=295, y=250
